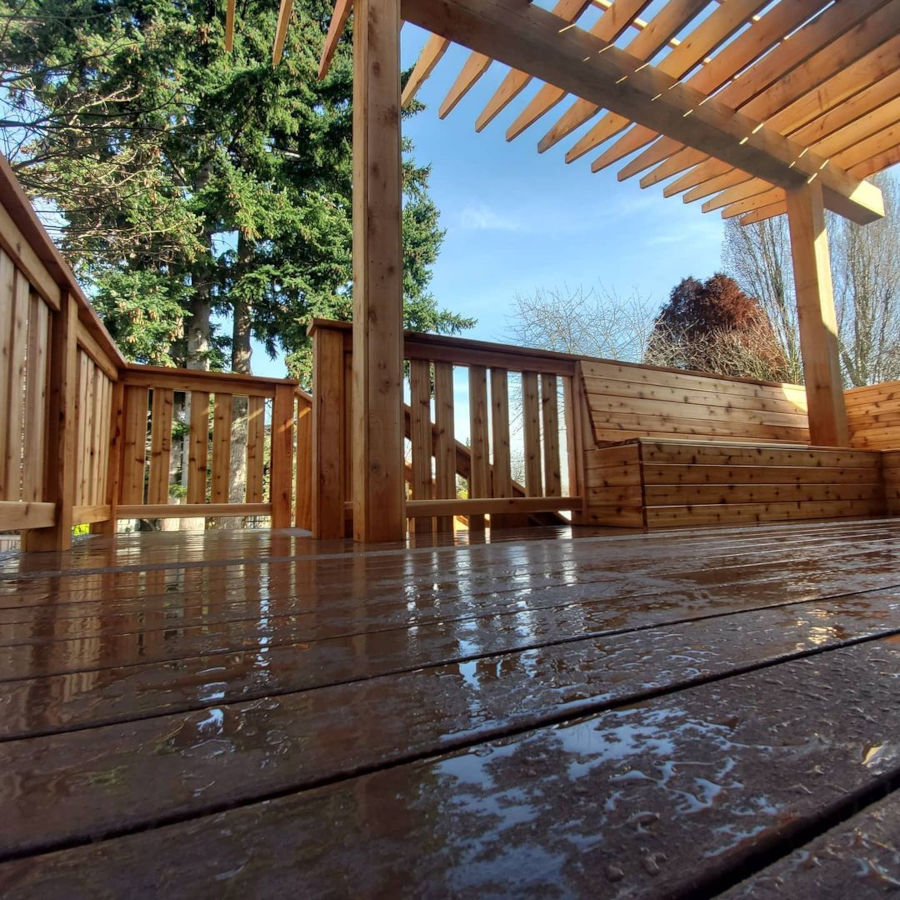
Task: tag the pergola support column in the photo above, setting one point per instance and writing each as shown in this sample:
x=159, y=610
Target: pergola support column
x=816, y=317
x=377, y=428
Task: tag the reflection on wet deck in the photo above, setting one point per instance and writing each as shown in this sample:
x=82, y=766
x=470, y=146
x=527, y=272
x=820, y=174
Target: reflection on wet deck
x=614, y=715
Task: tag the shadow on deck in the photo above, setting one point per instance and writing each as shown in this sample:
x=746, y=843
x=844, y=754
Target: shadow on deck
x=240, y=713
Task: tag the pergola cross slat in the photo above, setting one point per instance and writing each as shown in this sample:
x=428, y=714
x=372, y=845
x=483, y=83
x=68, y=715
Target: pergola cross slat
x=712, y=32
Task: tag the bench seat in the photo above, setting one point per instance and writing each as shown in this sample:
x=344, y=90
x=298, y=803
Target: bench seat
x=670, y=482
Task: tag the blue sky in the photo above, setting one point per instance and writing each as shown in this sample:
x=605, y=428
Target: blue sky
x=517, y=220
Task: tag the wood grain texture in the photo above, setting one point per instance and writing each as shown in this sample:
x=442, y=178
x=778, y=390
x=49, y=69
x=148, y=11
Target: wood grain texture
x=60, y=473
x=281, y=467
x=256, y=445
x=816, y=317
x=15, y=387
x=502, y=478
x=550, y=426
x=445, y=445
x=377, y=427
x=329, y=450
x=303, y=478
x=531, y=421
x=531, y=40
x=873, y=416
x=198, y=448
x=160, y=445
x=480, y=468
x=223, y=415
x=626, y=402
x=421, y=437
x=134, y=445
x=680, y=483
x=35, y=446
x=190, y=510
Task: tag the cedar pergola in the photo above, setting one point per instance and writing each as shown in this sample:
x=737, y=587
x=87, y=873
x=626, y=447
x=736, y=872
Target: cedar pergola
x=763, y=108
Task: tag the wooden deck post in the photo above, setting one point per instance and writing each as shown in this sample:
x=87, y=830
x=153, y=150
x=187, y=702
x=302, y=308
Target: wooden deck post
x=59, y=463
x=377, y=428
x=303, y=469
x=328, y=429
x=281, y=470
x=114, y=461
x=816, y=317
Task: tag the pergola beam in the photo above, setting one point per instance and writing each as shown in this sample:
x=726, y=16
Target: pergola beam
x=832, y=41
x=761, y=37
x=339, y=16
x=534, y=40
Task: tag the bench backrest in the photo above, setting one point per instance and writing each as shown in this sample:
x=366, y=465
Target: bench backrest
x=627, y=401
x=873, y=415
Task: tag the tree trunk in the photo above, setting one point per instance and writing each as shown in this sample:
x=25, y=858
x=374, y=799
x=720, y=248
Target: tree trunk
x=197, y=331
x=241, y=353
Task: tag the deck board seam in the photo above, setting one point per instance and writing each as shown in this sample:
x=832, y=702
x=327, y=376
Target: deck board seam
x=574, y=639
x=634, y=535
x=597, y=578
x=471, y=658
x=885, y=783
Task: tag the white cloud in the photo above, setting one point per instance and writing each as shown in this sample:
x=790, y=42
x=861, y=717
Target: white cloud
x=704, y=230
x=479, y=217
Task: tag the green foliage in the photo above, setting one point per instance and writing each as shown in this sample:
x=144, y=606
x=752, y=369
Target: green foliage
x=191, y=179
x=144, y=313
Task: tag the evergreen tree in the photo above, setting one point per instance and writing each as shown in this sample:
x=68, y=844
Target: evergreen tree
x=193, y=181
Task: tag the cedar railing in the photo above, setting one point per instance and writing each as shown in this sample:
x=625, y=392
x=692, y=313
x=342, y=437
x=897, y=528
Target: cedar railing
x=214, y=409
x=873, y=416
x=544, y=411
x=86, y=438
x=57, y=392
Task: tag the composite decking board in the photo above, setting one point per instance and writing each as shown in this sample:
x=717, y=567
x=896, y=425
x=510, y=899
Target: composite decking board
x=320, y=663
x=194, y=608
x=56, y=704
x=659, y=797
x=109, y=623
x=524, y=612
x=437, y=571
x=24, y=589
x=169, y=554
x=91, y=783
x=134, y=553
x=859, y=857
x=436, y=578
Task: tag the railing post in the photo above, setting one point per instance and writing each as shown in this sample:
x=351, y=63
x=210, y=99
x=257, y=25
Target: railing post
x=578, y=440
x=303, y=483
x=114, y=460
x=59, y=462
x=281, y=471
x=328, y=450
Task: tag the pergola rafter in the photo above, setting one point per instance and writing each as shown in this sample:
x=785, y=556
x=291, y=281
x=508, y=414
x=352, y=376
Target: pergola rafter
x=598, y=72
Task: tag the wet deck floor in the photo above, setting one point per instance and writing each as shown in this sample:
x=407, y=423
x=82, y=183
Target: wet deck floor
x=247, y=714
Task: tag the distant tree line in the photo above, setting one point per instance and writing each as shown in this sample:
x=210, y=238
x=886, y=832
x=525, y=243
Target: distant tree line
x=865, y=266
x=743, y=321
